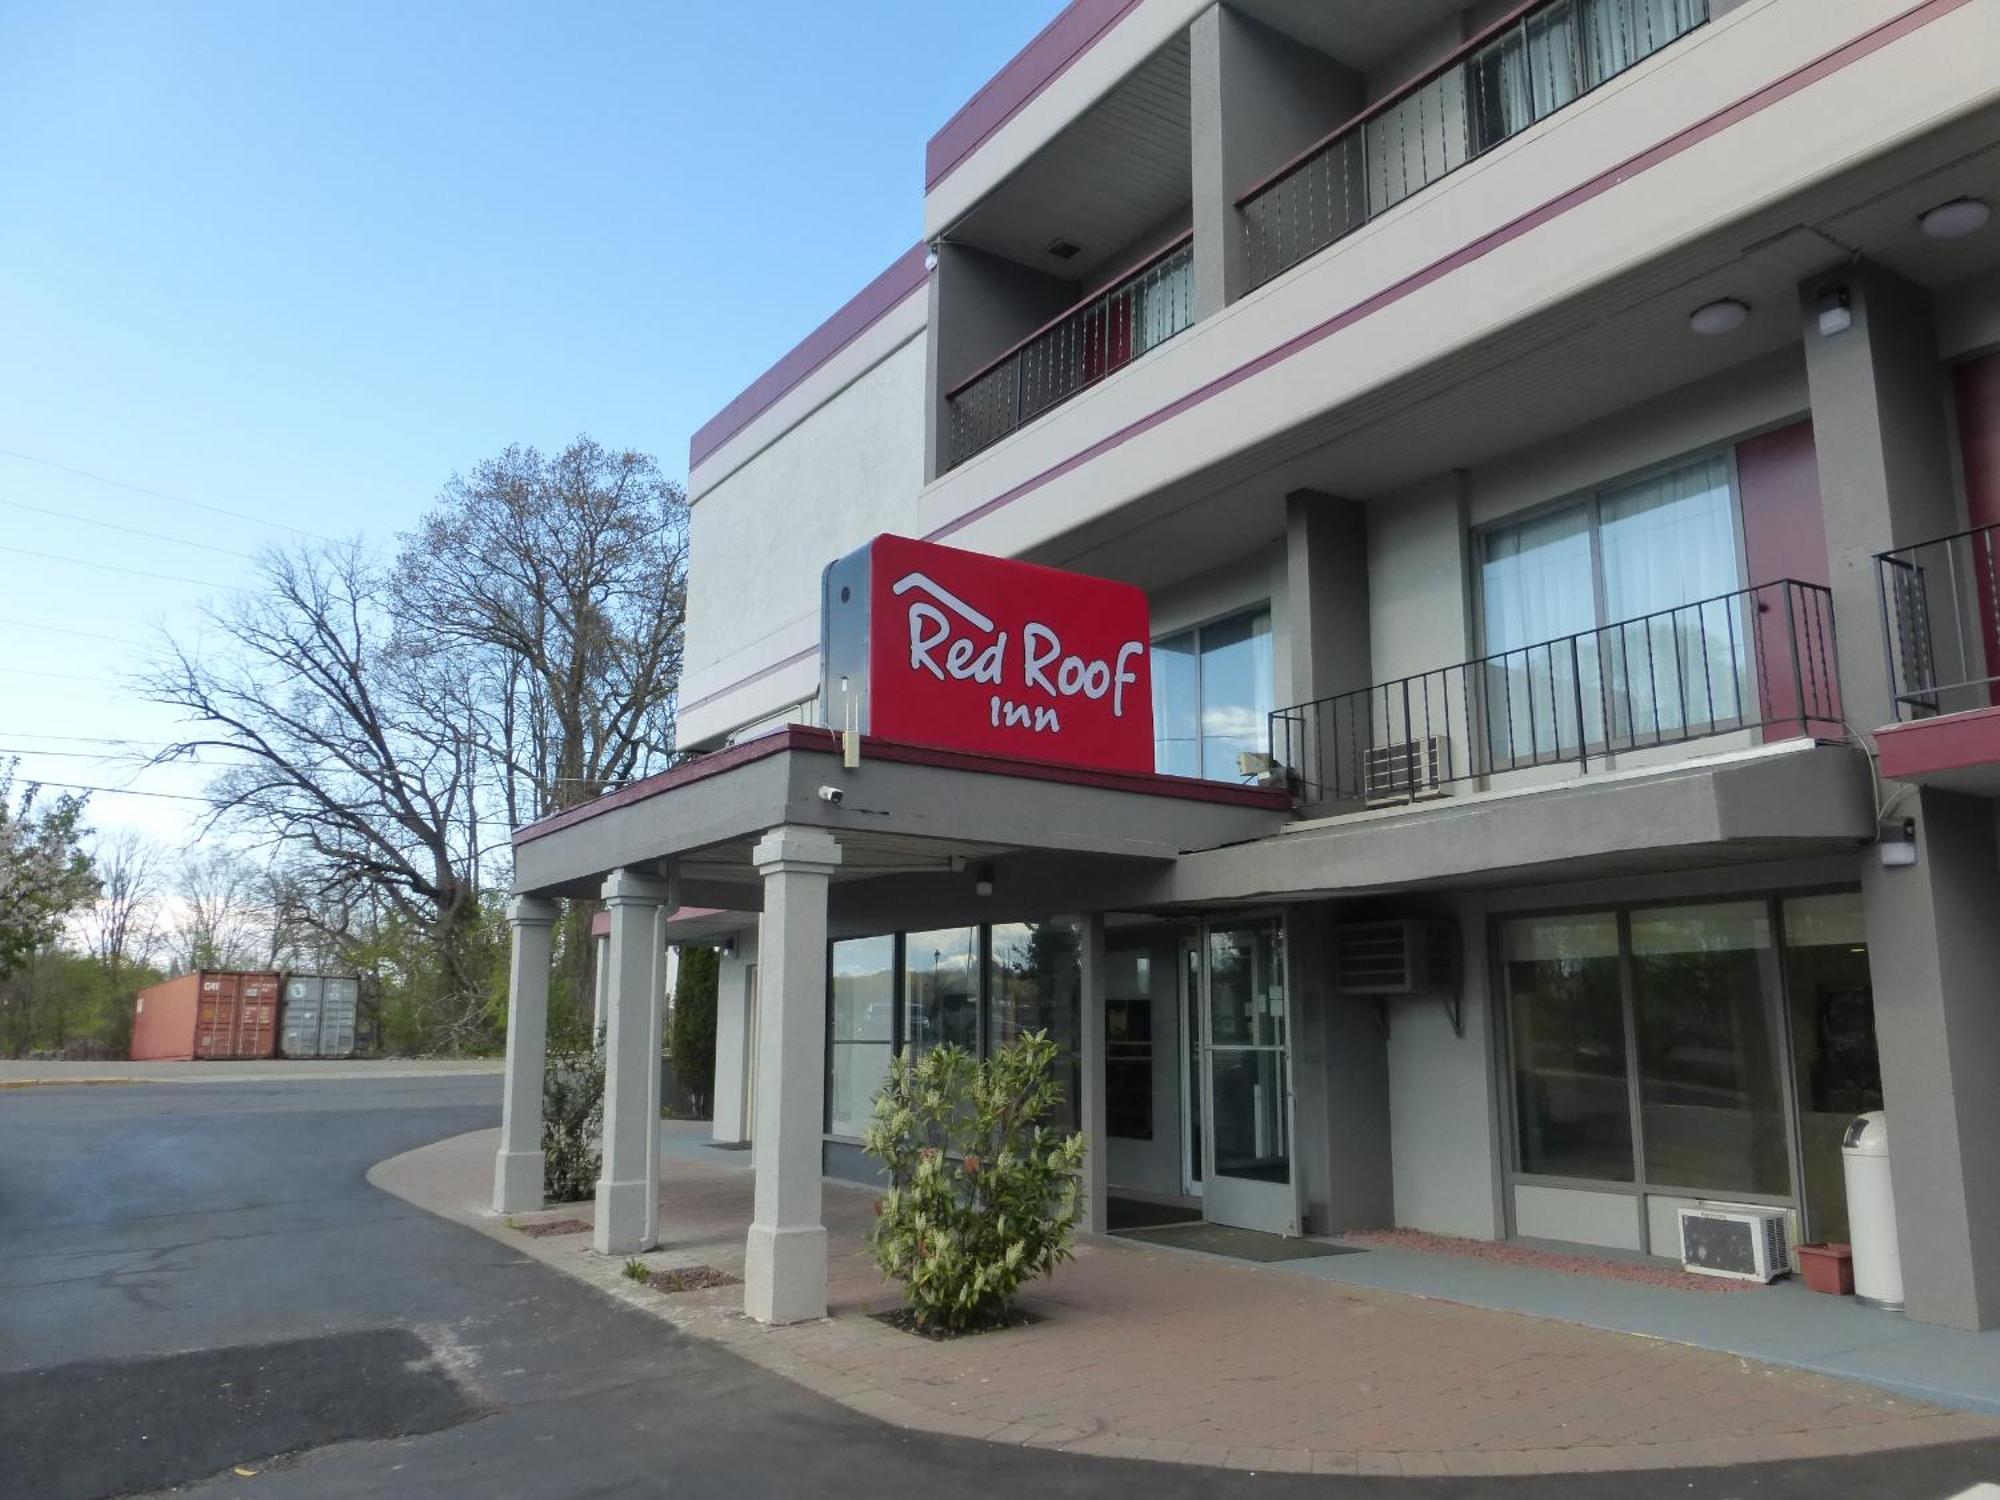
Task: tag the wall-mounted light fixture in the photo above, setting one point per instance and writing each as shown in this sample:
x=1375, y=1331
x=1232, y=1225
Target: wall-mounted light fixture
x=930, y=256
x=1836, y=311
x=1713, y=319
x=982, y=881
x=1956, y=219
x=1897, y=845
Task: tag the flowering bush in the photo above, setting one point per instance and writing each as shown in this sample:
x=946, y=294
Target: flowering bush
x=982, y=1192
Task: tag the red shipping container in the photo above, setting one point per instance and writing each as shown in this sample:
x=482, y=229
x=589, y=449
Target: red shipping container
x=211, y=1013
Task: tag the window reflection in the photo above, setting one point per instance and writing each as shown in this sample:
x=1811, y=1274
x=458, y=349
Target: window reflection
x=1212, y=696
x=861, y=1034
x=941, y=989
x=1566, y=1015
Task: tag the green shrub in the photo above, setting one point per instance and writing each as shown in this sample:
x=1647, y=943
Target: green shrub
x=691, y=1043
x=982, y=1192
x=572, y=1122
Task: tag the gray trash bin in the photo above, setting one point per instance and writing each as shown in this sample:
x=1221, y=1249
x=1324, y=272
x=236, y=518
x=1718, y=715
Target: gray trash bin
x=1871, y=1213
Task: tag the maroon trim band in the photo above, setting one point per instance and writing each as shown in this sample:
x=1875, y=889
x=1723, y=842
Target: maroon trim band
x=861, y=312
x=1752, y=104
x=1081, y=26
x=1932, y=747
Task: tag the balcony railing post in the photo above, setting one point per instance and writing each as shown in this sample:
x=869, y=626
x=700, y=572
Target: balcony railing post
x=1409, y=743
x=1576, y=694
x=1798, y=676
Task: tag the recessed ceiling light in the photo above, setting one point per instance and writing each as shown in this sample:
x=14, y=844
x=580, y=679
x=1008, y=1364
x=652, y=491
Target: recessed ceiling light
x=1720, y=317
x=1956, y=219
x=1063, y=249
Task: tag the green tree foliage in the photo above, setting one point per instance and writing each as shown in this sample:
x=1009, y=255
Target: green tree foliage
x=572, y=1122
x=44, y=873
x=982, y=1192
x=691, y=1043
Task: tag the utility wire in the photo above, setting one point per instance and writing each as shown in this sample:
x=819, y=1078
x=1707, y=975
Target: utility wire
x=121, y=791
x=61, y=676
x=151, y=536
x=88, y=635
x=139, y=489
x=86, y=562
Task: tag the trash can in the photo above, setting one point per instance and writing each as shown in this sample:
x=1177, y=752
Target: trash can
x=1871, y=1213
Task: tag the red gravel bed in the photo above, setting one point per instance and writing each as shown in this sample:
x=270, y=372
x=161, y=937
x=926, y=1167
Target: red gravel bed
x=554, y=1226
x=1504, y=1254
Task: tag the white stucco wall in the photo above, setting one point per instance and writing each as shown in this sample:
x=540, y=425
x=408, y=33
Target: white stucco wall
x=849, y=470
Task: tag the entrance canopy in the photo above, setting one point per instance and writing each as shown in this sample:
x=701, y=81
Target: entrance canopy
x=904, y=816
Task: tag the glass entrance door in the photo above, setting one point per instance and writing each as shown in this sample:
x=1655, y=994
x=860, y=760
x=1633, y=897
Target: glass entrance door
x=1246, y=1114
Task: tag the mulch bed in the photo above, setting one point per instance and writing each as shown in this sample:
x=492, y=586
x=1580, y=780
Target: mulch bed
x=548, y=1227
x=1502, y=1253
x=690, y=1279
x=905, y=1320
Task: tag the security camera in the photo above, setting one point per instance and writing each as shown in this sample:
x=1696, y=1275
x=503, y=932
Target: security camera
x=832, y=794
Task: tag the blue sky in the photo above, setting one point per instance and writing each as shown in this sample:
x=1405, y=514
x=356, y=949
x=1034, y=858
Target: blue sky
x=301, y=261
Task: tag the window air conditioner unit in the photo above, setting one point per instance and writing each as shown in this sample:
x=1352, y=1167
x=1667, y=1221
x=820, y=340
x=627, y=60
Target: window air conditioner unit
x=1406, y=957
x=1404, y=770
x=1744, y=1244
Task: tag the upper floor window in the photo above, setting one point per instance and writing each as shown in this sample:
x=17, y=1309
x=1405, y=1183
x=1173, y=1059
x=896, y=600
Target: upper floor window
x=1212, y=696
x=1616, y=607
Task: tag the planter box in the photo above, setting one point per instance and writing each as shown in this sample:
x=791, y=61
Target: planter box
x=1828, y=1268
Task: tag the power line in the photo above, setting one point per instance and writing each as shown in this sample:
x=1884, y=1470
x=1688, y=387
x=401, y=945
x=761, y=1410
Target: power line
x=88, y=635
x=87, y=739
x=139, y=489
x=151, y=536
x=121, y=791
x=61, y=676
x=86, y=562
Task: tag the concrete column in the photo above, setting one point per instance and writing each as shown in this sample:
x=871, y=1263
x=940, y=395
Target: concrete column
x=1881, y=433
x=631, y=1068
x=656, y=1015
x=602, y=989
x=980, y=305
x=1326, y=591
x=1933, y=953
x=784, y=1275
x=1257, y=99
x=517, y=1167
x=730, y=1124
x=1094, y=1217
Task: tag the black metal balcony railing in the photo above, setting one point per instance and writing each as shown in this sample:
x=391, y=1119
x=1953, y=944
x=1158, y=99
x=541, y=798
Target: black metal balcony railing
x=1757, y=659
x=1141, y=311
x=1941, y=623
x=1518, y=71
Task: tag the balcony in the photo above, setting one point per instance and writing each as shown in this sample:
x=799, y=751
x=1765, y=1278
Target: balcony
x=1511, y=75
x=1759, y=661
x=1099, y=336
x=1940, y=604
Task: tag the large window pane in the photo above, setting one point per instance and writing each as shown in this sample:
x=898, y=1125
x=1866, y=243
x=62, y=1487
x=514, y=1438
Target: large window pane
x=1236, y=686
x=1710, y=1098
x=861, y=1036
x=1839, y=1074
x=1567, y=1021
x=1176, y=707
x=941, y=989
x=1036, y=985
x=1536, y=587
x=1668, y=544
x=1128, y=1042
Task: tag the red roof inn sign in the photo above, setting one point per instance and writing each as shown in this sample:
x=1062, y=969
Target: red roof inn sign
x=929, y=645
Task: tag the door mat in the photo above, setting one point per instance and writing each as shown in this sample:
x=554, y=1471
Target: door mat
x=1137, y=1213
x=1238, y=1244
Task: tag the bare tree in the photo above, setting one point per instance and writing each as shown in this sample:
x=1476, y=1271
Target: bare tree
x=123, y=926
x=351, y=750
x=569, y=575
x=215, y=921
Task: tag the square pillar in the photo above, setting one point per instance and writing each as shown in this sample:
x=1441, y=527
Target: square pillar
x=656, y=1046
x=1094, y=1209
x=517, y=1167
x=631, y=1070
x=784, y=1275
x=601, y=990
x=734, y=1052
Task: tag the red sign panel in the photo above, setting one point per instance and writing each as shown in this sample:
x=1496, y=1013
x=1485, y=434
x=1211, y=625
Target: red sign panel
x=969, y=652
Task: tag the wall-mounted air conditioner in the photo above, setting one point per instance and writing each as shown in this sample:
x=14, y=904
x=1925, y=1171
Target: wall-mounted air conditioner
x=1744, y=1244
x=1404, y=770
x=1411, y=956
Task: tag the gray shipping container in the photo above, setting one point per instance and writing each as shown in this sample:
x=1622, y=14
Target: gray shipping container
x=299, y=1036
x=320, y=1015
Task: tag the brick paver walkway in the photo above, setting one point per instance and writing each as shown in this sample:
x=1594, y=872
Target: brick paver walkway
x=1153, y=1353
